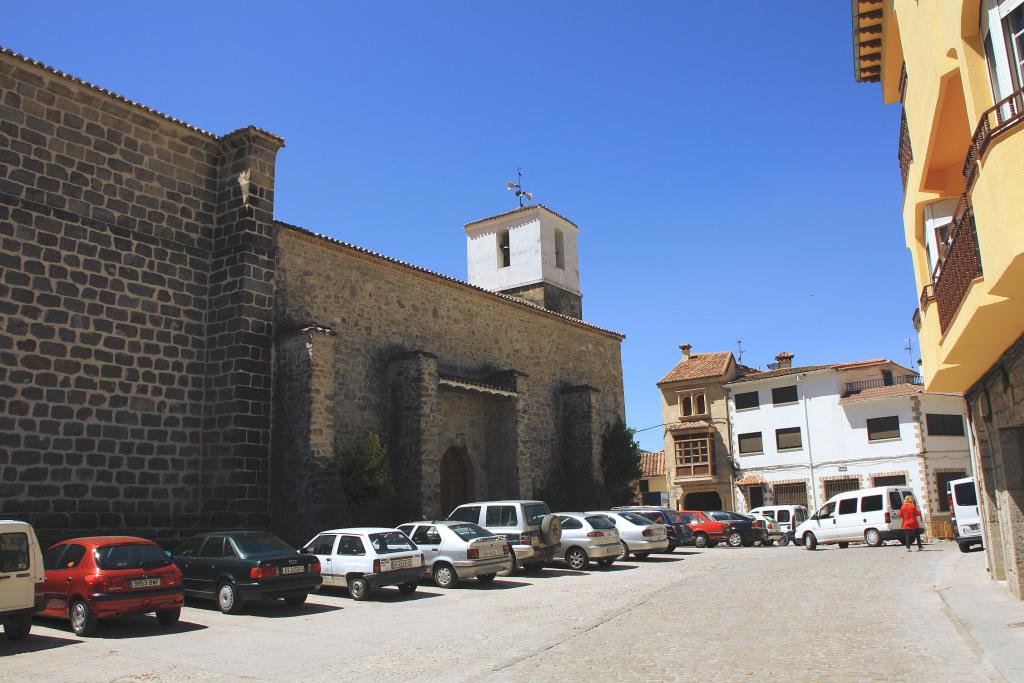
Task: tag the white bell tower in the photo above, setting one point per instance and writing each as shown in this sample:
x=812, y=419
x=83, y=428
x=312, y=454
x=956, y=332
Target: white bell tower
x=531, y=253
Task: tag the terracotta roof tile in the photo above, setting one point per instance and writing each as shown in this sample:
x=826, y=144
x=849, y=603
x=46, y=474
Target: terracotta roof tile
x=652, y=464
x=751, y=480
x=894, y=391
x=692, y=424
x=521, y=209
x=698, y=366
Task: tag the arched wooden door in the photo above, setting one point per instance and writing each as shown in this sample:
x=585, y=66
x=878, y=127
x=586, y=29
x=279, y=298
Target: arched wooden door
x=454, y=481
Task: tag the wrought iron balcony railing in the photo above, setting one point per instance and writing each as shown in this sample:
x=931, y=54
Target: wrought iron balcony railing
x=852, y=387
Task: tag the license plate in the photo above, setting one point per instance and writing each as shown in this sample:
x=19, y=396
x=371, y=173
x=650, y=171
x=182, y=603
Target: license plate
x=401, y=564
x=488, y=552
x=293, y=570
x=144, y=583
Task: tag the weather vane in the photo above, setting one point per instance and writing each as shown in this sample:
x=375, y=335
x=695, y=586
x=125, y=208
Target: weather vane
x=518, y=187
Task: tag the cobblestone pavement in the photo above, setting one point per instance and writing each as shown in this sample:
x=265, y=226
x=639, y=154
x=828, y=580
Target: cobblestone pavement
x=751, y=614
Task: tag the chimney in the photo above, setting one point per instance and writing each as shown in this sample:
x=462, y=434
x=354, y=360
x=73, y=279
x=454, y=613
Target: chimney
x=783, y=360
x=685, y=348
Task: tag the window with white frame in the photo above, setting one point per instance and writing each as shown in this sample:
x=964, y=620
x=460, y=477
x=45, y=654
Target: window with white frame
x=693, y=404
x=1002, y=29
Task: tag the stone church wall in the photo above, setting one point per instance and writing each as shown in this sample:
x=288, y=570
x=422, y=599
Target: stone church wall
x=382, y=311
x=136, y=312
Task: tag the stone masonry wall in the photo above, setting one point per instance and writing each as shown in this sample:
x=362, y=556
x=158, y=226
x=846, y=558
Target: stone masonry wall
x=112, y=220
x=997, y=414
x=382, y=309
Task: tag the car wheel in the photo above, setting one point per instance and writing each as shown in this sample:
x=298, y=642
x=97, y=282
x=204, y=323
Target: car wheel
x=407, y=588
x=783, y=542
x=227, y=598
x=358, y=588
x=445, y=576
x=168, y=617
x=607, y=562
x=576, y=558
x=17, y=627
x=296, y=600
x=964, y=548
x=873, y=538
x=810, y=542
x=83, y=621
x=486, y=578
x=700, y=541
x=670, y=549
x=758, y=544
x=735, y=539
x=625, y=551
x=843, y=545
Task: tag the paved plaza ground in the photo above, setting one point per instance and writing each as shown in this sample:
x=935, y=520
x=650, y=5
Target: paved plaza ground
x=751, y=614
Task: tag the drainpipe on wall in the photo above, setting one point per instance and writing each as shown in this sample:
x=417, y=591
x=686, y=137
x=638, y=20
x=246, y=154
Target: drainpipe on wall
x=810, y=454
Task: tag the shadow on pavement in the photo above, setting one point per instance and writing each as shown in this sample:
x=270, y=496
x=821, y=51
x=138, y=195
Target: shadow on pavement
x=496, y=585
x=129, y=626
x=386, y=594
x=273, y=609
x=34, y=643
x=614, y=568
x=552, y=573
x=656, y=560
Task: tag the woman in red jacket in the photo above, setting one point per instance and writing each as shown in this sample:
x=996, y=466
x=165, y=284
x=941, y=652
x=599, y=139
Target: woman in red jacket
x=911, y=529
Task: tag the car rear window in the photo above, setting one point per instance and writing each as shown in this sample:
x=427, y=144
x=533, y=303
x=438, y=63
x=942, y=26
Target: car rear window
x=256, y=545
x=391, y=542
x=781, y=515
x=895, y=500
x=966, y=494
x=467, y=532
x=639, y=520
x=600, y=522
x=676, y=518
x=132, y=556
x=535, y=512
x=13, y=552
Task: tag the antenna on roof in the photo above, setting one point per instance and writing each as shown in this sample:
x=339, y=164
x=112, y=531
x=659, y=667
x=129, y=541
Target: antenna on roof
x=739, y=351
x=909, y=348
x=518, y=187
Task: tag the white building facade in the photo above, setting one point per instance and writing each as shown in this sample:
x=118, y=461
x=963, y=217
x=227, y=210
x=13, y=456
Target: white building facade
x=803, y=434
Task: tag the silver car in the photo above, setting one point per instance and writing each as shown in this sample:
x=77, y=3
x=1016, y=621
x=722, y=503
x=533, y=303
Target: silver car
x=454, y=551
x=587, y=537
x=637, y=534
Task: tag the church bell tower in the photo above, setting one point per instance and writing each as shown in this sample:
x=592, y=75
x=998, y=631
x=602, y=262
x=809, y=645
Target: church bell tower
x=530, y=253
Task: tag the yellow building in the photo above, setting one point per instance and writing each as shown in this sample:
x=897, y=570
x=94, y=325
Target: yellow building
x=956, y=67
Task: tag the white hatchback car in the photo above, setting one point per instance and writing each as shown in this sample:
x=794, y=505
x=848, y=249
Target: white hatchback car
x=361, y=559
x=21, y=568
x=587, y=537
x=637, y=534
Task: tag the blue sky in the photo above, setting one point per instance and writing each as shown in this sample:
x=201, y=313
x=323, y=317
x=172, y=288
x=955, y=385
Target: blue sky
x=730, y=178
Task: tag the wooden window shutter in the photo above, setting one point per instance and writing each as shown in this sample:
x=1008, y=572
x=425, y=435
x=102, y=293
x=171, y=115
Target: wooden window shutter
x=712, y=465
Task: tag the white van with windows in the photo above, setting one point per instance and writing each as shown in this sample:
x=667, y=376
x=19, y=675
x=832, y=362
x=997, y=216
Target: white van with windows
x=963, y=508
x=21, y=568
x=789, y=517
x=864, y=516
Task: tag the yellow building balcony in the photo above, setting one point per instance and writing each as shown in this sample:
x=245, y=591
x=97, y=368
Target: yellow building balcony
x=972, y=309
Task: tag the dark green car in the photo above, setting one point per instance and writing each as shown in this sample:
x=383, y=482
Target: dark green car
x=234, y=567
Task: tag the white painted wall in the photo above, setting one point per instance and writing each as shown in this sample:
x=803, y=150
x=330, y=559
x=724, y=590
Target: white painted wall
x=835, y=438
x=532, y=251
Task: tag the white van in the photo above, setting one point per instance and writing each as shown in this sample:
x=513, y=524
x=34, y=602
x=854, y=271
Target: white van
x=963, y=508
x=865, y=516
x=21, y=568
x=789, y=517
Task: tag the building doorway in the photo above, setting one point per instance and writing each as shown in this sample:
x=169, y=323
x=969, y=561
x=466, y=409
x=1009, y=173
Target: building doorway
x=454, y=480
x=702, y=500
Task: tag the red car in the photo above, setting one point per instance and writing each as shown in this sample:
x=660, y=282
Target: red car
x=107, y=576
x=707, y=531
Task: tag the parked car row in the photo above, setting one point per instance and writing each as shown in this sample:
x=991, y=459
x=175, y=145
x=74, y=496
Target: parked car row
x=82, y=580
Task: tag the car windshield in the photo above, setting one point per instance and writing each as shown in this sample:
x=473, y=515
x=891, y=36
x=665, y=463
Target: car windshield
x=676, y=518
x=639, y=520
x=133, y=556
x=259, y=545
x=467, y=532
x=600, y=522
x=535, y=512
x=391, y=542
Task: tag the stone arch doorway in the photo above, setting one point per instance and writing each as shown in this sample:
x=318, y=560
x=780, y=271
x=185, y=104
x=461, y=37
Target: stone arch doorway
x=702, y=500
x=455, y=480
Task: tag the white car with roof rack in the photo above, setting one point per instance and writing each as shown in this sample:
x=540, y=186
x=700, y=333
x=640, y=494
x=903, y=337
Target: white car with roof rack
x=454, y=551
x=363, y=558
